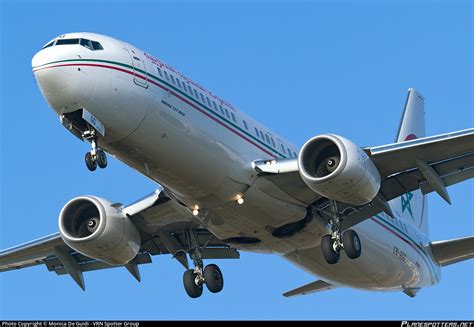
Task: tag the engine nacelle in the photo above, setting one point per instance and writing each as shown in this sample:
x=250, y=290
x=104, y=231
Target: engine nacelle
x=93, y=227
x=338, y=169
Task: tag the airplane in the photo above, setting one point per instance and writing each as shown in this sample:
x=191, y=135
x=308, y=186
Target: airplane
x=352, y=216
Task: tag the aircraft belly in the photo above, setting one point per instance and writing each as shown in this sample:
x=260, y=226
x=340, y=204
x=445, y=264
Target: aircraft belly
x=379, y=267
x=257, y=218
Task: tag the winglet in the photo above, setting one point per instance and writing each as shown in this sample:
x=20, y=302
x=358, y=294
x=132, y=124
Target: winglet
x=313, y=287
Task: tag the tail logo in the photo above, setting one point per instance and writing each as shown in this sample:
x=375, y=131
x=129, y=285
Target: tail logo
x=406, y=205
x=410, y=137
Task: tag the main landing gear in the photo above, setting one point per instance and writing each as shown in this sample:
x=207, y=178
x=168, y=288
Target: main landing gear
x=95, y=157
x=194, y=279
x=331, y=245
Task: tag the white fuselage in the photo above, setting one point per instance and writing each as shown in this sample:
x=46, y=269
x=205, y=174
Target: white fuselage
x=201, y=149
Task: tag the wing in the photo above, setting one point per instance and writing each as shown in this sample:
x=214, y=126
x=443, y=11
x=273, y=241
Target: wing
x=407, y=166
x=430, y=164
x=29, y=254
x=165, y=227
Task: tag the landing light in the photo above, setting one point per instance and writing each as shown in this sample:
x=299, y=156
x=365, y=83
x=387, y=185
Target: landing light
x=195, y=212
x=240, y=199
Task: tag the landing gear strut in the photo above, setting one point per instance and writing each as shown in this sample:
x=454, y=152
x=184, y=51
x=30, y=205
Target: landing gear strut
x=95, y=157
x=194, y=279
x=331, y=245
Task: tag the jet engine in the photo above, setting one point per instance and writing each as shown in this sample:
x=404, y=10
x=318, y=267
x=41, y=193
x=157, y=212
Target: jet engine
x=338, y=169
x=98, y=229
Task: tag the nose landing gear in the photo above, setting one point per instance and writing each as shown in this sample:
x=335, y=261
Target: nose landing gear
x=95, y=157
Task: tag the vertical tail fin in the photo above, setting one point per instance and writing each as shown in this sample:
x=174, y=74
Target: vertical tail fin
x=412, y=124
x=412, y=206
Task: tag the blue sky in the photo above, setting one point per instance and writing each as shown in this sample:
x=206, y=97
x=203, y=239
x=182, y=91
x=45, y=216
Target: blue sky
x=300, y=67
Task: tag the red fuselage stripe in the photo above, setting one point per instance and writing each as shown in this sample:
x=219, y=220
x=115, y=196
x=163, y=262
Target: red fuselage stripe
x=172, y=92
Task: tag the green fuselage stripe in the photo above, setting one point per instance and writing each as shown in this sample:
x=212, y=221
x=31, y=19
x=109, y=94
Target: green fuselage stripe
x=174, y=88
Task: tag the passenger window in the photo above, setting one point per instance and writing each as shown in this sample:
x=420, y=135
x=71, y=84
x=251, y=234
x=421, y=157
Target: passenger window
x=296, y=156
x=261, y=135
x=208, y=102
x=233, y=116
x=222, y=110
x=283, y=148
x=185, y=88
x=256, y=132
x=202, y=98
x=273, y=142
x=267, y=138
x=67, y=41
x=214, y=104
x=245, y=125
x=179, y=82
x=159, y=71
x=172, y=79
x=227, y=113
x=289, y=152
x=96, y=45
x=196, y=94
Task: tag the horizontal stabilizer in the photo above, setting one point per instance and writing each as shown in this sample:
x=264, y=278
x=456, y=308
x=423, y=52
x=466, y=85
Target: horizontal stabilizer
x=453, y=251
x=313, y=287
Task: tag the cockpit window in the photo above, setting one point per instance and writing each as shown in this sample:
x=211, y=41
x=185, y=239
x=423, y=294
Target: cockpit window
x=91, y=45
x=50, y=44
x=67, y=41
x=86, y=43
x=96, y=45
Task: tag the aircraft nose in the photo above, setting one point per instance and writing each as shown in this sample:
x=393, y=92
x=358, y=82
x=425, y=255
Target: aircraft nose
x=38, y=60
x=61, y=84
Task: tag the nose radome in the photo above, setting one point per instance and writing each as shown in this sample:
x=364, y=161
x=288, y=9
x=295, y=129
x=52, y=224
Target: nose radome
x=62, y=86
x=39, y=59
